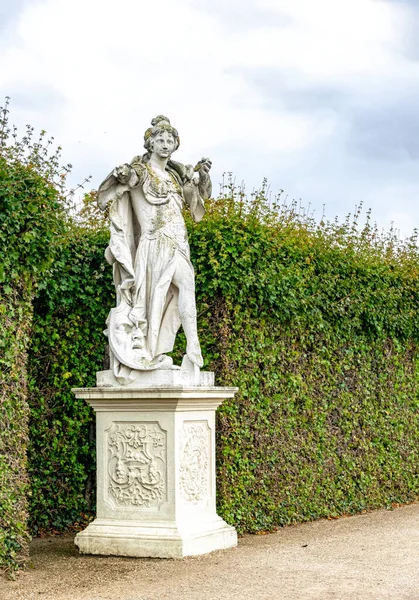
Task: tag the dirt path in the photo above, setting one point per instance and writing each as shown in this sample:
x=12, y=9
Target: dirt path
x=366, y=557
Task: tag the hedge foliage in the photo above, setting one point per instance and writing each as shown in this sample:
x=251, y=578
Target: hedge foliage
x=67, y=349
x=318, y=326
x=14, y=335
x=26, y=246
x=32, y=217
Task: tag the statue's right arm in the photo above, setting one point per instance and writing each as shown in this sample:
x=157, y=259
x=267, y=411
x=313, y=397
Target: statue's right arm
x=121, y=180
x=138, y=166
x=126, y=175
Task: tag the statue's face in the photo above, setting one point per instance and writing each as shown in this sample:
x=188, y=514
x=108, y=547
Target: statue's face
x=163, y=144
x=126, y=341
x=122, y=330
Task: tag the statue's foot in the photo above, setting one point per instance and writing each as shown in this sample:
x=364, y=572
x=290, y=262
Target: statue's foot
x=193, y=352
x=164, y=362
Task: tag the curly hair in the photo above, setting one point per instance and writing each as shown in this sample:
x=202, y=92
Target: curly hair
x=159, y=125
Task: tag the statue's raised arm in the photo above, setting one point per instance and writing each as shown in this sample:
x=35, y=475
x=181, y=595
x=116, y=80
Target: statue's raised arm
x=149, y=251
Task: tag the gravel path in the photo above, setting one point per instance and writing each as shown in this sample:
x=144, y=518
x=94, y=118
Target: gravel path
x=366, y=557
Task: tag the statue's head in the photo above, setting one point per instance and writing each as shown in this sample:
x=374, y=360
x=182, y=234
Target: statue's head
x=160, y=132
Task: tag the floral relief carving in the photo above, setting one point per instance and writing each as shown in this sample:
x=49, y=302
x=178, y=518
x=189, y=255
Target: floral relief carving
x=137, y=464
x=195, y=461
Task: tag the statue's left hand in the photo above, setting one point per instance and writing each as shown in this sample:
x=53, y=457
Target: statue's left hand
x=204, y=167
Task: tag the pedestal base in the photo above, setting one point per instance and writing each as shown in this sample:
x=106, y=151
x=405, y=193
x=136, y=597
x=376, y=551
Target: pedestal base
x=154, y=540
x=159, y=379
x=155, y=472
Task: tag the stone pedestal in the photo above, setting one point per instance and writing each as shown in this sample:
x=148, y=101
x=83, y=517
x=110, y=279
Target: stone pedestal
x=155, y=471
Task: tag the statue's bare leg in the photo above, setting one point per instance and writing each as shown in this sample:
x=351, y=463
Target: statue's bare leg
x=184, y=280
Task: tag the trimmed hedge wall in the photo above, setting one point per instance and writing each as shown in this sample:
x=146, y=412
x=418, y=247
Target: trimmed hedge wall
x=67, y=349
x=14, y=335
x=316, y=324
x=31, y=216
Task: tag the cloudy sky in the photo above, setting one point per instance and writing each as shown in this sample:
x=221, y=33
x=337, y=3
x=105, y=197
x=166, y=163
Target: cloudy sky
x=321, y=98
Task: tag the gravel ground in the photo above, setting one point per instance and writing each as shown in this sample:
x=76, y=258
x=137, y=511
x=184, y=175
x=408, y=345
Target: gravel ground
x=366, y=557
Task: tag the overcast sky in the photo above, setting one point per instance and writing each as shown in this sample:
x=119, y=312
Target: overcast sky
x=321, y=98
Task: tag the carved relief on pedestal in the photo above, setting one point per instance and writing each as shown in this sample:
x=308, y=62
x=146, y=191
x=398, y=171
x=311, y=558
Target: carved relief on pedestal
x=195, y=465
x=137, y=464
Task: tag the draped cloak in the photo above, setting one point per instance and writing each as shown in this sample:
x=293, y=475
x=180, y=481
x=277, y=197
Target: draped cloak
x=144, y=260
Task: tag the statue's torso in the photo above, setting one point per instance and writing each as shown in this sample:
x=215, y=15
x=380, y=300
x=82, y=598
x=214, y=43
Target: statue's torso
x=157, y=204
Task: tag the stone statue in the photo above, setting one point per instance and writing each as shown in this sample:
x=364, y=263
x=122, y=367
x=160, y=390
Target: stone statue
x=149, y=251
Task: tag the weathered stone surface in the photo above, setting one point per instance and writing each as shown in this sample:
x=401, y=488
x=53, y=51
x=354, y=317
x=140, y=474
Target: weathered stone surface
x=155, y=422
x=149, y=251
x=158, y=378
x=156, y=485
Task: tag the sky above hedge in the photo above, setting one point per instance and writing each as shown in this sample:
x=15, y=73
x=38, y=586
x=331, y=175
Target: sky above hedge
x=319, y=97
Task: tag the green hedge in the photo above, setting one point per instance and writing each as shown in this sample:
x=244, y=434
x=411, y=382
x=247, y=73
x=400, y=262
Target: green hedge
x=32, y=221
x=14, y=428
x=31, y=216
x=66, y=351
x=316, y=324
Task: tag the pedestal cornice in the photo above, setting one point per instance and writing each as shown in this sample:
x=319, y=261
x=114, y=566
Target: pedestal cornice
x=179, y=398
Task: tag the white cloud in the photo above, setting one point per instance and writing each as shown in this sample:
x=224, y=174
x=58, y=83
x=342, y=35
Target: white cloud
x=116, y=65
